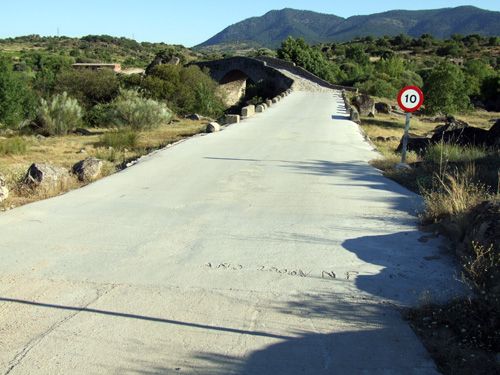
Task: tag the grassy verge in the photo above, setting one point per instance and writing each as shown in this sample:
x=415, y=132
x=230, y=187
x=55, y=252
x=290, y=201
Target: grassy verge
x=460, y=189
x=17, y=153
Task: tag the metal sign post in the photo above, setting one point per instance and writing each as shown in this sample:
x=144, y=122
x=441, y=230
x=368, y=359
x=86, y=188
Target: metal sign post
x=405, y=137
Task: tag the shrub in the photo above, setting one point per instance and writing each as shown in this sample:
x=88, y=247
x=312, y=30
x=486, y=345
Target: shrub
x=13, y=146
x=445, y=90
x=131, y=109
x=17, y=101
x=119, y=139
x=186, y=90
x=443, y=152
x=378, y=87
x=310, y=58
x=89, y=87
x=59, y=116
x=453, y=195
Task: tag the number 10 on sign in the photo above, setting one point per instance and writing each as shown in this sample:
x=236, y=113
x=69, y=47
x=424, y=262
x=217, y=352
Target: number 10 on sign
x=410, y=99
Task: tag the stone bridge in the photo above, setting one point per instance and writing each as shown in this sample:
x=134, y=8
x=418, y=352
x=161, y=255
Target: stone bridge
x=235, y=73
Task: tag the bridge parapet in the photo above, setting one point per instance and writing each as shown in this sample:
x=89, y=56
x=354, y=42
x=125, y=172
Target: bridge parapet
x=301, y=72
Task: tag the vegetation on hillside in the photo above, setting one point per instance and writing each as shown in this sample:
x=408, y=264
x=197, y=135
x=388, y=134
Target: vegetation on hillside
x=381, y=67
x=273, y=27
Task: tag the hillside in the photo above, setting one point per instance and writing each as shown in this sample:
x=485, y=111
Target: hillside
x=90, y=48
x=272, y=28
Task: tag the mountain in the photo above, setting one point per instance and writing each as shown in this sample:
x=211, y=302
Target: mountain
x=273, y=27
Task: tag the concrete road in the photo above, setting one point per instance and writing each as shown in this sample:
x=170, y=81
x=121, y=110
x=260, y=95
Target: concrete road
x=271, y=247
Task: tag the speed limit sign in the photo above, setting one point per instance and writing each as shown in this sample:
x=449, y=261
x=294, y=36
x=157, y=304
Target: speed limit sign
x=410, y=99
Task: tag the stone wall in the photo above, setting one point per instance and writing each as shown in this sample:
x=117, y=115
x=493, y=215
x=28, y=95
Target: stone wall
x=301, y=72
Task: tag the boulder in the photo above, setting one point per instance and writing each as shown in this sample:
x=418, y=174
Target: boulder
x=81, y=131
x=415, y=143
x=260, y=108
x=231, y=119
x=451, y=124
x=174, y=61
x=46, y=175
x=4, y=190
x=469, y=136
x=382, y=107
x=248, y=111
x=269, y=102
x=213, y=127
x=88, y=169
x=194, y=117
x=364, y=104
x=494, y=134
x=354, y=115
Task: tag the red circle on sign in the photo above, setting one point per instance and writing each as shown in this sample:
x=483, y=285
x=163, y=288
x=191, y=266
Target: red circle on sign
x=420, y=98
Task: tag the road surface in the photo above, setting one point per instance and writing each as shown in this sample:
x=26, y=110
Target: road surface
x=271, y=247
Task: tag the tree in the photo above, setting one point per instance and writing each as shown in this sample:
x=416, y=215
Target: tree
x=476, y=72
x=357, y=54
x=17, y=101
x=445, y=90
x=310, y=58
x=185, y=90
x=89, y=87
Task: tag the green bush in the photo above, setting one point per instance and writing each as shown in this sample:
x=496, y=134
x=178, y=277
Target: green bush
x=89, y=87
x=310, y=58
x=445, y=90
x=59, y=115
x=131, y=109
x=185, y=89
x=17, y=101
x=13, y=146
x=378, y=87
x=444, y=152
x=119, y=140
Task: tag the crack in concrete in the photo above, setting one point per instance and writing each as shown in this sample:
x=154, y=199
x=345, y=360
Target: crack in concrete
x=18, y=358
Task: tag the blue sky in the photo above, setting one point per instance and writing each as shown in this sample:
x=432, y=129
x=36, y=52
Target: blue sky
x=187, y=22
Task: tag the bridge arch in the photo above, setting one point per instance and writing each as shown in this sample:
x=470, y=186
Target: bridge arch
x=235, y=73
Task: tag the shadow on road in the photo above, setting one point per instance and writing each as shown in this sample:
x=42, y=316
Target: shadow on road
x=384, y=345
x=138, y=317
x=360, y=173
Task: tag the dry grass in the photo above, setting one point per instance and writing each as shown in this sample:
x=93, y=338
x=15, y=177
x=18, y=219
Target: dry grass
x=65, y=151
x=453, y=195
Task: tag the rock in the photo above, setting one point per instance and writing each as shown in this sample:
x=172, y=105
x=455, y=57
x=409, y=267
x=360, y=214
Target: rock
x=231, y=119
x=82, y=131
x=248, y=111
x=354, y=115
x=415, y=143
x=269, y=102
x=174, y=61
x=494, y=134
x=364, y=104
x=382, y=107
x=40, y=137
x=371, y=114
x=450, y=124
x=88, y=169
x=213, y=127
x=194, y=117
x=469, y=136
x=260, y=108
x=403, y=166
x=46, y=175
x=4, y=190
